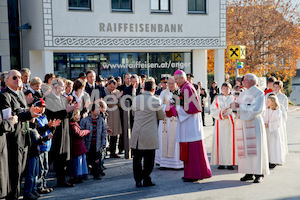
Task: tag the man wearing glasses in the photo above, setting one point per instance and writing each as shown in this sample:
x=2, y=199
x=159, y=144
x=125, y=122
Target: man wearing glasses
x=13, y=103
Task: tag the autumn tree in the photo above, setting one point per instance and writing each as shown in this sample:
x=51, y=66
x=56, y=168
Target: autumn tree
x=270, y=30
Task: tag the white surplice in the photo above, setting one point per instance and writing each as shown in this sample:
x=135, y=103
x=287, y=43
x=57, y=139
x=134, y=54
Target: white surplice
x=275, y=147
x=189, y=128
x=251, y=134
x=283, y=103
x=224, y=151
x=168, y=153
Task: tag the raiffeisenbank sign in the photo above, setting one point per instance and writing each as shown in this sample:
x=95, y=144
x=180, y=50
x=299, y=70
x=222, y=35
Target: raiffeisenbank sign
x=140, y=27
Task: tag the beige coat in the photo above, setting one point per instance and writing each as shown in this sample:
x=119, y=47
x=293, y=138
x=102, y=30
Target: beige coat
x=145, y=128
x=114, y=117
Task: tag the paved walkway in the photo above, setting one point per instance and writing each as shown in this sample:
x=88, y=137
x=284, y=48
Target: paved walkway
x=282, y=183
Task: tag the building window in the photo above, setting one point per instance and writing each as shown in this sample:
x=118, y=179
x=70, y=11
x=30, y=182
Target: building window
x=121, y=5
x=197, y=6
x=160, y=6
x=80, y=5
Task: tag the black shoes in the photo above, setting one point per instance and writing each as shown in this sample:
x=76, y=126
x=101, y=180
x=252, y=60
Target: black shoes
x=97, y=177
x=272, y=166
x=258, y=179
x=30, y=196
x=138, y=184
x=189, y=180
x=221, y=167
x=230, y=167
x=145, y=184
x=247, y=177
x=148, y=184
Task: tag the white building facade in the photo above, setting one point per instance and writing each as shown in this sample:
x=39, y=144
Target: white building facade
x=113, y=37
x=4, y=37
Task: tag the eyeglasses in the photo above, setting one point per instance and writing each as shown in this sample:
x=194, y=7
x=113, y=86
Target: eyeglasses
x=15, y=78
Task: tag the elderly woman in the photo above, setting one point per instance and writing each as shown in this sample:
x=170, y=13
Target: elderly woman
x=58, y=108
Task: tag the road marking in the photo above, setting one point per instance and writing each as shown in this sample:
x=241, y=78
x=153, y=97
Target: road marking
x=112, y=195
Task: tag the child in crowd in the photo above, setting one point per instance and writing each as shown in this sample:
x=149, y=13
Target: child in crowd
x=35, y=89
x=96, y=141
x=34, y=153
x=78, y=163
x=272, y=119
x=224, y=149
x=44, y=128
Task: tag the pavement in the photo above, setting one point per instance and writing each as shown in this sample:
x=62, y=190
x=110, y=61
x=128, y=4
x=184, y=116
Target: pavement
x=282, y=183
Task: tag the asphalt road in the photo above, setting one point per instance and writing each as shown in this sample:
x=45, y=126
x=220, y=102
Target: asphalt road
x=282, y=183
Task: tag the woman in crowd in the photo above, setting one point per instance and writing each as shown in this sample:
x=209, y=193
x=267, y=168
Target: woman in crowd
x=81, y=97
x=46, y=86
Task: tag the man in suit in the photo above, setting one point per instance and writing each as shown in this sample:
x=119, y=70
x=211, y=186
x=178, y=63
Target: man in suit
x=92, y=88
x=147, y=111
x=18, y=140
x=126, y=84
x=25, y=72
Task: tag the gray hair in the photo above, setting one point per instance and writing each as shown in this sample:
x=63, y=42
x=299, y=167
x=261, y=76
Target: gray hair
x=171, y=78
x=183, y=74
x=7, y=75
x=25, y=70
x=252, y=77
x=56, y=82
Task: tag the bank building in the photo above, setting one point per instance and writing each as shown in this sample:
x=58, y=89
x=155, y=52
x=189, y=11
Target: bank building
x=113, y=37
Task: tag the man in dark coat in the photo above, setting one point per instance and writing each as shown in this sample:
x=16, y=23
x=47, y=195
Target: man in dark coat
x=58, y=108
x=92, y=88
x=203, y=95
x=18, y=140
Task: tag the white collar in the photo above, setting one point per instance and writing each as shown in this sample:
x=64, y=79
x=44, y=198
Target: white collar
x=76, y=97
x=16, y=92
x=92, y=86
x=32, y=90
x=56, y=95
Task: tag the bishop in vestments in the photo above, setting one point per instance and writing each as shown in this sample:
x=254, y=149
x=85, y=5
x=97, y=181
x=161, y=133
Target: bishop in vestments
x=189, y=132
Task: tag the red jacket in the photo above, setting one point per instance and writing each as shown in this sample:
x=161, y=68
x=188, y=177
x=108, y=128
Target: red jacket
x=268, y=91
x=77, y=134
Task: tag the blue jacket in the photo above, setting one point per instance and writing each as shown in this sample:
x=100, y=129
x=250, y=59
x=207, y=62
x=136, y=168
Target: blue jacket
x=44, y=130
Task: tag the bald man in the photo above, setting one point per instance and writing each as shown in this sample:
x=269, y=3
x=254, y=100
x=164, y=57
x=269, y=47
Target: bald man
x=19, y=139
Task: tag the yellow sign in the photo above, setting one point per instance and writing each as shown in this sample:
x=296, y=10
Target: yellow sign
x=237, y=52
x=177, y=57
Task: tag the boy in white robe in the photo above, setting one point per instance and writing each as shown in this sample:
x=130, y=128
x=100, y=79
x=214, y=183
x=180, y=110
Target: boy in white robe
x=224, y=152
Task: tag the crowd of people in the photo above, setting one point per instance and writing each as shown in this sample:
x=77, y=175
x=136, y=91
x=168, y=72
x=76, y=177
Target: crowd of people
x=74, y=124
